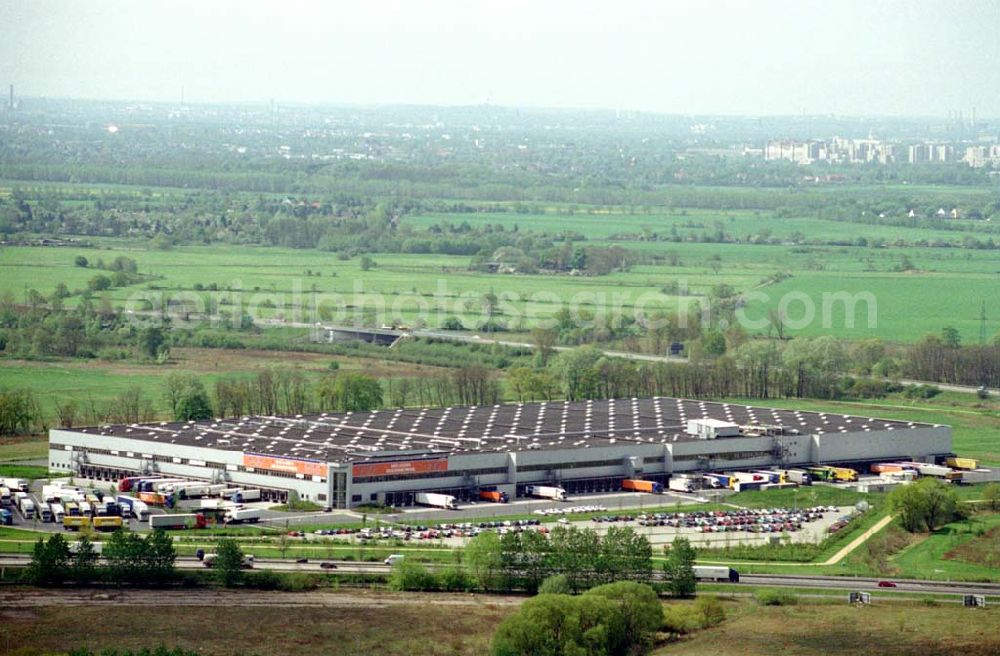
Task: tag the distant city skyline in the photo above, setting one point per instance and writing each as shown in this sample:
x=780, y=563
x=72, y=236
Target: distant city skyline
x=850, y=58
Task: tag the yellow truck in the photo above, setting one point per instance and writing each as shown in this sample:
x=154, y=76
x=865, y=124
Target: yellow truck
x=844, y=474
x=962, y=463
x=107, y=523
x=76, y=522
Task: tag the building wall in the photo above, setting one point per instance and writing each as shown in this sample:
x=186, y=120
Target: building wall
x=917, y=444
x=166, y=458
x=69, y=449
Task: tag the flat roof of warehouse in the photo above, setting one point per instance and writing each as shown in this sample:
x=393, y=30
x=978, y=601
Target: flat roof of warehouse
x=432, y=432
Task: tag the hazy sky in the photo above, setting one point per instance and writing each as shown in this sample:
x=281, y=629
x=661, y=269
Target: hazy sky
x=674, y=56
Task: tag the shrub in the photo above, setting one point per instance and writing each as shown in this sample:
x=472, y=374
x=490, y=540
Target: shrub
x=99, y=283
x=864, y=388
x=408, y=575
x=619, y=618
x=775, y=598
x=681, y=618
x=921, y=391
x=557, y=584
x=711, y=610
x=639, y=614
x=264, y=580
x=492, y=326
x=297, y=582
x=455, y=579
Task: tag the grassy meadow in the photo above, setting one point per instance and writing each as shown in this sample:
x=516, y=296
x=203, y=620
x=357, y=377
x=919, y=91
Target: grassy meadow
x=100, y=381
x=945, y=286
x=358, y=621
x=832, y=628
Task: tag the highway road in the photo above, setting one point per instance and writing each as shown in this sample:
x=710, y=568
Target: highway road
x=770, y=580
x=869, y=584
x=277, y=565
x=478, y=339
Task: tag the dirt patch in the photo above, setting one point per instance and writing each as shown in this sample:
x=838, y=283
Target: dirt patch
x=11, y=615
x=205, y=360
x=981, y=550
x=226, y=623
x=209, y=360
x=834, y=630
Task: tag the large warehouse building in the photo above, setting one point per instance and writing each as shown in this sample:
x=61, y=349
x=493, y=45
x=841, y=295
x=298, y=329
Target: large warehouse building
x=386, y=456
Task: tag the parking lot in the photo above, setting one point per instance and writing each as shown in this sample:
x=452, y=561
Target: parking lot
x=704, y=528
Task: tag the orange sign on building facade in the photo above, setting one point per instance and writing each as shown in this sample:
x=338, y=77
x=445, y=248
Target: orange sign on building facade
x=399, y=467
x=288, y=465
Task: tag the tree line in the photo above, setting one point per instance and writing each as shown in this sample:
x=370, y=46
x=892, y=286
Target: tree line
x=125, y=559
x=757, y=368
x=523, y=560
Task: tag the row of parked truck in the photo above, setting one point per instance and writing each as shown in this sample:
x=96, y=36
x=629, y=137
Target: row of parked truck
x=953, y=470
x=166, y=491
x=13, y=494
x=195, y=520
x=62, y=504
x=450, y=502
x=763, y=479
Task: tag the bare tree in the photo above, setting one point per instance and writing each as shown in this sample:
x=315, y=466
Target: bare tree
x=67, y=413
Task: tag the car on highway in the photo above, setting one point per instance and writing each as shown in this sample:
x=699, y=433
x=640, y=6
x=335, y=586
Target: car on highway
x=886, y=584
x=327, y=566
x=301, y=560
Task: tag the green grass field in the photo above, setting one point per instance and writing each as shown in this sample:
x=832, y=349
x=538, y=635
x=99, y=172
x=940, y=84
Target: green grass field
x=929, y=558
x=99, y=381
x=945, y=288
x=353, y=621
x=829, y=629
x=24, y=471
x=12, y=449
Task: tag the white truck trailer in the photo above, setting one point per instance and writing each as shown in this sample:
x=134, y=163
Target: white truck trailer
x=177, y=521
x=210, y=558
x=216, y=504
x=800, y=476
x=680, y=484
x=240, y=495
x=241, y=515
x=707, y=573
x=167, y=486
x=15, y=484
x=436, y=500
x=196, y=489
x=546, y=492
